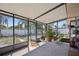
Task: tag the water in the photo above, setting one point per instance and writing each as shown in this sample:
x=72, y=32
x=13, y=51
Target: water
x=17, y=32
x=10, y=32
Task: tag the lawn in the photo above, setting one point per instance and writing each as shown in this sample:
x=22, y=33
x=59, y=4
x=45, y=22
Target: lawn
x=6, y=41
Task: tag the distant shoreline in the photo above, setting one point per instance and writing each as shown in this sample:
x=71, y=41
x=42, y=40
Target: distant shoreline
x=17, y=32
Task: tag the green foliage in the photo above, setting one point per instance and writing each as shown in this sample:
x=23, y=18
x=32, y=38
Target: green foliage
x=61, y=35
x=50, y=33
x=75, y=31
x=64, y=40
x=39, y=26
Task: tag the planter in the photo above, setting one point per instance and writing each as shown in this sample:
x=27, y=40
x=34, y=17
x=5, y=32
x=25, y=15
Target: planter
x=55, y=38
x=49, y=39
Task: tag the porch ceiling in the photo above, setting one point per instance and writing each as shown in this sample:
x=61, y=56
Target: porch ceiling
x=33, y=10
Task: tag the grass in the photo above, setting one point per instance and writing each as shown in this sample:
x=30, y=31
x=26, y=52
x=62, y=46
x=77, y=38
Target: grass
x=6, y=41
x=9, y=40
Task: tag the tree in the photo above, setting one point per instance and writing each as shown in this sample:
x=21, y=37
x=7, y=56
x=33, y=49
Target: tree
x=61, y=35
x=21, y=24
x=3, y=20
x=64, y=25
x=6, y=21
x=0, y=25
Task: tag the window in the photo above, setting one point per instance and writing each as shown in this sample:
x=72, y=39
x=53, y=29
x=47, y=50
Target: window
x=10, y=25
x=44, y=29
x=21, y=30
x=6, y=30
x=72, y=28
x=63, y=28
x=32, y=30
x=39, y=30
x=62, y=24
x=60, y=27
x=53, y=26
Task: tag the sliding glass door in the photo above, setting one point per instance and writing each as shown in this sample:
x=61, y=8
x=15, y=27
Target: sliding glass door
x=21, y=30
x=32, y=31
x=54, y=27
x=63, y=28
x=60, y=27
x=6, y=31
x=32, y=35
x=13, y=33
x=39, y=30
x=16, y=32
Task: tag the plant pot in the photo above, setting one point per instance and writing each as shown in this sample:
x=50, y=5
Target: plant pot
x=55, y=38
x=49, y=39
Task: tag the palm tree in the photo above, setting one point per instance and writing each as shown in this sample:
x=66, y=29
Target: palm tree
x=3, y=20
x=0, y=25
x=6, y=21
x=22, y=25
x=64, y=25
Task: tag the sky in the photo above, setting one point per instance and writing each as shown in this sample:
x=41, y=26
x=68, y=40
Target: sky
x=10, y=21
x=59, y=23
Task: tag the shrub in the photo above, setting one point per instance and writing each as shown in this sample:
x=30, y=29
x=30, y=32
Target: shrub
x=64, y=40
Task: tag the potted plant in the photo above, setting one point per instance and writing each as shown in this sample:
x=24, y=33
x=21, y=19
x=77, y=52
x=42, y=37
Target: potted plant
x=50, y=34
x=61, y=35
